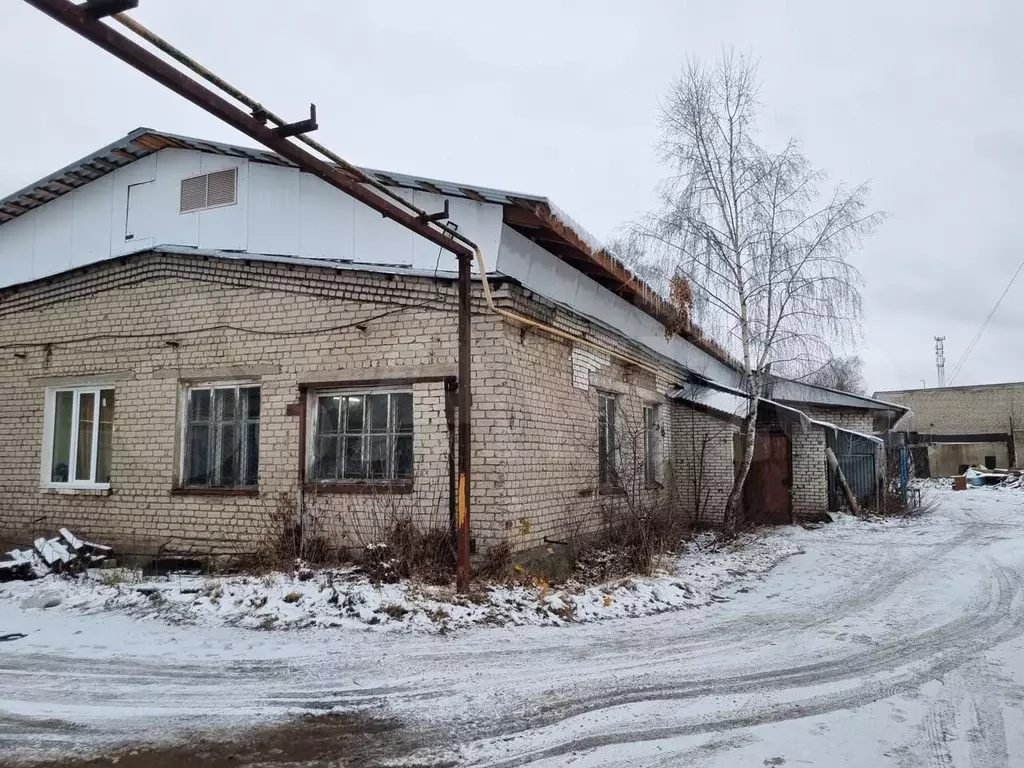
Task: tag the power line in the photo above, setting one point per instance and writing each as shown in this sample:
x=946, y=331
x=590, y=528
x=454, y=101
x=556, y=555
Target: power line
x=984, y=325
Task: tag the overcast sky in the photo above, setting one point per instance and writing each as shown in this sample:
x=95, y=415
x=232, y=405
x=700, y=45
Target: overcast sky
x=922, y=99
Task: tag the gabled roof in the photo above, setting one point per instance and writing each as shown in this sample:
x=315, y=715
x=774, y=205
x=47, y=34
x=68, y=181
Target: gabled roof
x=533, y=216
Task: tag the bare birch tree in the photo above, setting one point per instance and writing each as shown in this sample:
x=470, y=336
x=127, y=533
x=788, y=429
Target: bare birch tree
x=763, y=248
x=840, y=372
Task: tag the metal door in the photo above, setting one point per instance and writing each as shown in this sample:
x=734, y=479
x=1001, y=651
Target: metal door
x=766, y=495
x=857, y=457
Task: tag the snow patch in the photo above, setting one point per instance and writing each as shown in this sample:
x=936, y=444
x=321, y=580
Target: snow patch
x=345, y=598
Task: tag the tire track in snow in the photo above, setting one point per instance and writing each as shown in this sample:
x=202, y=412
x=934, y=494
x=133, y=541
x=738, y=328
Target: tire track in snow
x=939, y=727
x=931, y=654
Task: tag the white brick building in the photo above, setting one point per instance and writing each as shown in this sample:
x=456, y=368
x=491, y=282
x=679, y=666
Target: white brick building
x=201, y=344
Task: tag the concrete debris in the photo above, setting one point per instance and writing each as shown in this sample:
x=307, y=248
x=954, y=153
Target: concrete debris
x=64, y=553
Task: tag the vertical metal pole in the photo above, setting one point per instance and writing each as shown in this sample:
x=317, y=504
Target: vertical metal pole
x=904, y=472
x=465, y=403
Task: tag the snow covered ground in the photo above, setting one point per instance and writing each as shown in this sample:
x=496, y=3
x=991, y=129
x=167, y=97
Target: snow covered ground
x=343, y=598
x=884, y=644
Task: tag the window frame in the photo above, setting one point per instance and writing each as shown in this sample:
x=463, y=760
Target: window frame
x=361, y=484
x=49, y=423
x=181, y=484
x=652, y=447
x=608, y=460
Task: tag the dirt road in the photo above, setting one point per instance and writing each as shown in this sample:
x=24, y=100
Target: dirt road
x=883, y=645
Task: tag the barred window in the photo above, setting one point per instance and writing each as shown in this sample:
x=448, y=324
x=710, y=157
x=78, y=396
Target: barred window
x=222, y=436
x=606, y=447
x=650, y=445
x=362, y=436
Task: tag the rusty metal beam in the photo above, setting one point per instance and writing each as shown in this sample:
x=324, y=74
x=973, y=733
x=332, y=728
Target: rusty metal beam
x=100, y=8
x=81, y=22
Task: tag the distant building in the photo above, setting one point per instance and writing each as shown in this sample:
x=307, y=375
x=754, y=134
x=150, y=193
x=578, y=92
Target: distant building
x=951, y=428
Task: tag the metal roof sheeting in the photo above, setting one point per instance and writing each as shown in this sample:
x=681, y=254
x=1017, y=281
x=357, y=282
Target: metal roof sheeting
x=812, y=394
x=144, y=141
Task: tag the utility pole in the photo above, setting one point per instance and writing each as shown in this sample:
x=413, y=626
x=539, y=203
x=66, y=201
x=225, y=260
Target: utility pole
x=86, y=19
x=940, y=360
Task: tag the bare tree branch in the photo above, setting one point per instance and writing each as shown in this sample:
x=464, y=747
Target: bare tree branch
x=763, y=247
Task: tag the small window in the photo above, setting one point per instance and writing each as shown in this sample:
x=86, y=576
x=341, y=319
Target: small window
x=651, y=445
x=990, y=462
x=361, y=437
x=80, y=423
x=222, y=437
x=606, y=445
x=211, y=190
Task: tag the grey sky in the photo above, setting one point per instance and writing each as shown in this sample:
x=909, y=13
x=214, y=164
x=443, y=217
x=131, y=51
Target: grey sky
x=921, y=98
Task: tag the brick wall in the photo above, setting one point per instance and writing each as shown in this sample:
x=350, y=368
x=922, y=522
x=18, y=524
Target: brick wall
x=380, y=326
x=147, y=323
x=704, y=462
x=998, y=408
x=550, y=476
x=845, y=418
x=809, y=470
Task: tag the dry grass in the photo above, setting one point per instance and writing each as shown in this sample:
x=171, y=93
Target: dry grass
x=891, y=503
x=409, y=553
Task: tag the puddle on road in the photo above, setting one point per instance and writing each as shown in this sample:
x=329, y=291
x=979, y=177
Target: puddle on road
x=352, y=741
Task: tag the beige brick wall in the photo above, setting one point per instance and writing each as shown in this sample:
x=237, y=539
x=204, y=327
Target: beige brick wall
x=844, y=418
x=809, y=473
x=551, y=460
x=381, y=325
x=705, y=462
x=535, y=410
x=998, y=408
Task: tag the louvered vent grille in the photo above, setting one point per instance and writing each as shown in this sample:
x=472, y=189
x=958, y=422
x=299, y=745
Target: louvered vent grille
x=220, y=188
x=209, y=190
x=193, y=193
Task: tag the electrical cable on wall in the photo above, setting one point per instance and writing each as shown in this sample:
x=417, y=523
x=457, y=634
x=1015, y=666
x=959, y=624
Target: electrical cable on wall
x=211, y=329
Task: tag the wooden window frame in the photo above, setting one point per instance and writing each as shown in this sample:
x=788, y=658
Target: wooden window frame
x=355, y=485
x=182, y=487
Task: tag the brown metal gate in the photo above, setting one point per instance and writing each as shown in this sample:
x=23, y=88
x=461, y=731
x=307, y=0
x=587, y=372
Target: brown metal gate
x=766, y=496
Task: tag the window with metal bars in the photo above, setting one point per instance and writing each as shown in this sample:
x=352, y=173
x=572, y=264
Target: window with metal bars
x=651, y=445
x=222, y=436
x=606, y=447
x=210, y=190
x=362, y=437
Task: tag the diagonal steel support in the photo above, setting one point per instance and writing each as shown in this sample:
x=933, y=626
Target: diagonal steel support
x=303, y=126
x=84, y=20
x=100, y=8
